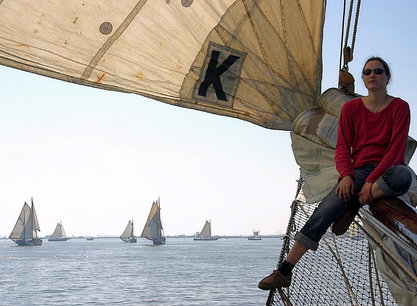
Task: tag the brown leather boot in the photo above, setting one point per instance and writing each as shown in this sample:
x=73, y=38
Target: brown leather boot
x=275, y=280
x=341, y=225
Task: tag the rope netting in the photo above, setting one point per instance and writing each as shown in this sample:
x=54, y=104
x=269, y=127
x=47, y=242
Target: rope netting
x=341, y=272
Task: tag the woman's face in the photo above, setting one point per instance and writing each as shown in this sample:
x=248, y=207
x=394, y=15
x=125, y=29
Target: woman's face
x=375, y=80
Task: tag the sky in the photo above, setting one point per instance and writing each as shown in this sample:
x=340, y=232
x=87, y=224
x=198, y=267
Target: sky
x=93, y=159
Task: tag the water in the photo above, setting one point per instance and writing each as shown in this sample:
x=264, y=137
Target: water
x=107, y=271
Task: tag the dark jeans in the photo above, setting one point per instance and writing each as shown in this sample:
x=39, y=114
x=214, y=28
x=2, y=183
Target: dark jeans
x=394, y=182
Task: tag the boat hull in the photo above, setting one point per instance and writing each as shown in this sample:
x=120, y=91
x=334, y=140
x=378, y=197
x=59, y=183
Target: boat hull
x=32, y=242
x=159, y=241
x=254, y=238
x=58, y=239
x=206, y=239
x=129, y=240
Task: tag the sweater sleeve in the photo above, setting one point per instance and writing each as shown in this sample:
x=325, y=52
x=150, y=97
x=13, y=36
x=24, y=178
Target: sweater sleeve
x=345, y=134
x=394, y=154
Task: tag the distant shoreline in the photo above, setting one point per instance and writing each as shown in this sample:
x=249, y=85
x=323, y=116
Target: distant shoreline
x=170, y=237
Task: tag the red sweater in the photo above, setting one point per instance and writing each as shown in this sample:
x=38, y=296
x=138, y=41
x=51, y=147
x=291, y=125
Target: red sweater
x=365, y=138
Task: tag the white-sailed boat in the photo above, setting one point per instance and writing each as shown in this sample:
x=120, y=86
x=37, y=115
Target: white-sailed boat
x=128, y=234
x=58, y=234
x=205, y=234
x=25, y=230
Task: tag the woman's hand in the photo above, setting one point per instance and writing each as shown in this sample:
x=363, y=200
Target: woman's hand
x=345, y=188
x=365, y=195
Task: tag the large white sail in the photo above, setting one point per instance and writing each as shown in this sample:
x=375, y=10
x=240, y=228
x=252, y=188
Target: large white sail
x=59, y=232
x=206, y=231
x=256, y=60
x=20, y=223
x=128, y=232
x=36, y=227
x=31, y=226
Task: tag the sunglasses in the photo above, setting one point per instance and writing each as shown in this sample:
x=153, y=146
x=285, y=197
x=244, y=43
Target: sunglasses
x=377, y=71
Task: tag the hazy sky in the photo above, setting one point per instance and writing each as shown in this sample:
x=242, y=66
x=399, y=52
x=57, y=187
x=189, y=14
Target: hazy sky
x=94, y=159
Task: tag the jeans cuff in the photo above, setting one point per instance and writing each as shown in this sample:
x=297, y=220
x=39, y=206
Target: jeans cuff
x=384, y=187
x=303, y=239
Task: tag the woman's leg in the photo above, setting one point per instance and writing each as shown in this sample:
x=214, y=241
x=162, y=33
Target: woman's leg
x=297, y=251
x=394, y=182
x=330, y=208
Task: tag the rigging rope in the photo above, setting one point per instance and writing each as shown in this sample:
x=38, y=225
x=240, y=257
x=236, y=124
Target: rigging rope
x=346, y=80
x=339, y=261
x=348, y=50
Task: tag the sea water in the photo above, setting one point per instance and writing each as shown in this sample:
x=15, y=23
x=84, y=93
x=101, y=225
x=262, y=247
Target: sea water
x=107, y=271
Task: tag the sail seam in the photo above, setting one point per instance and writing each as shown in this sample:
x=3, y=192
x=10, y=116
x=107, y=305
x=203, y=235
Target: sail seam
x=93, y=63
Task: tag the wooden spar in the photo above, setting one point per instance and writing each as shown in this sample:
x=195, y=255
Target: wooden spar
x=398, y=216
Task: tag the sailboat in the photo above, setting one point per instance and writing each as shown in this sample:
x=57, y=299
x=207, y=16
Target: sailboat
x=128, y=234
x=255, y=236
x=153, y=227
x=58, y=234
x=25, y=230
x=205, y=234
x=258, y=61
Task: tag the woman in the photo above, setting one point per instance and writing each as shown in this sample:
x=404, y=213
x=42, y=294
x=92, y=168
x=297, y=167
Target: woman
x=371, y=142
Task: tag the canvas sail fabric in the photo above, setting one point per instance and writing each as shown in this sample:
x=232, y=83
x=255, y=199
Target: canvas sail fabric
x=31, y=226
x=59, y=231
x=256, y=60
x=401, y=286
x=153, y=227
x=27, y=225
x=206, y=231
x=20, y=223
x=128, y=232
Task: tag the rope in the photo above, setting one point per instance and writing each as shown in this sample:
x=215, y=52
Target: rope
x=355, y=26
x=347, y=259
x=341, y=37
x=291, y=222
x=286, y=244
x=350, y=289
x=377, y=279
x=371, y=285
x=375, y=237
x=346, y=50
x=284, y=297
